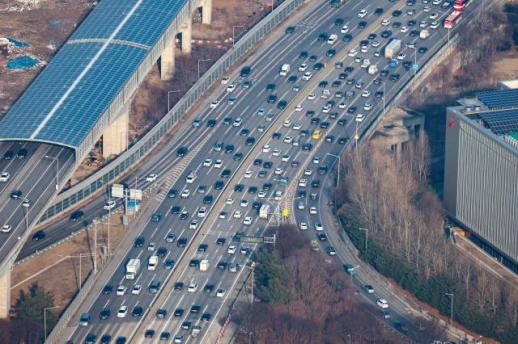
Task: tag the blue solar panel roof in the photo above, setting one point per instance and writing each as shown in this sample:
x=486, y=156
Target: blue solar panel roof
x=67, y=98
x=501, y=122
x=499, y=99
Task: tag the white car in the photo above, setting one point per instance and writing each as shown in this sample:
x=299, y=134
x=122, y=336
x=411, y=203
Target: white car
x=151, y=246
x=433, y=16
x=202, y=212
x=423, y=24
x=266, y=148
x=261, y=194
x=287, y=123
x=299, y=108
x=222, y=215
x=6, y=228
x=316, y=159
x=248, y=174
x=229, y=201
x=137, y=288
x=285, y=158
x=276, y=152
x=297, y=126
x=122, y=312
x=225, y=80
x=151, y=178
x=307, y=76
x=301, y=205
x=237, y=122
x=193, y=224
x=312, y=96
x=434, y=25
x=303, y=226
x=319, y=227
x=403, y=29
x=303, y=182
x=109, y=205
x=303, y=67
x=4, y=177
x=237, y=214
x=313, y=210
x=185, y=193
x=344, y=29
x=401, y=56
x=367, y=107
x=385, y=22
x=214, y=104
x=287, y=139
x=220, y=292
x=192, y=287
x=308, y=172
x=207, y=162
x=218, y=163
x=121, y=290
x=26, y=203
x=342, y=106
x=359, y=117
x=382, y=303
x=364, y=49
x=353, y=52
x=231, y=88
x=366, y=93
x=231, y=249
x=278, y=171
x=362, y=13
x=247, y=221
x=243, y=203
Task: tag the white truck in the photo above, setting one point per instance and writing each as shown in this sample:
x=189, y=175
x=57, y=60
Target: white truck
x=132, y=268
x=263, y=211
x=392, y=49
x=424, y=34
x=373, y=69
x=285, y=69
x=152, y=263
x=204, y=265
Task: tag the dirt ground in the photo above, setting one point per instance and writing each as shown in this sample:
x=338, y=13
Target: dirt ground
x=44, y=24
x=62, y=264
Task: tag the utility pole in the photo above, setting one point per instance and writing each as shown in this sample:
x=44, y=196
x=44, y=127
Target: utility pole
x=95, y=246
x=45, y=320
x=451, y=307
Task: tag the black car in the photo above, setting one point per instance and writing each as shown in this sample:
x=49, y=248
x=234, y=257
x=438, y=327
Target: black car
x=394, y=77
x=272, y=98
x=178, y=312
x=218, y=185
x=154, y=286
x=107, y=290
x=211, y=123
x=303, y=55
x=227, y=120
x=315, y=183
x=372, y=36
x=39, y=235
x=161, y=313
x=310, y=113
x=225, y=173
x=250, y=141
x=184, y=215
x=323, y=84
x=182, y=151
x=323, y=36
x=149, y=333
x=364, y=43
x=90, y=338
x=16, y=194
x=202, y=247
x=258, y=162
x=397, y=13
x=194, y=263
x=347, y=38
x=244, y=132
x=245, y=72
x=330, y=52
x=271, y=87
x=362, y=25
x=186, y=325
x=411, y=23
x=313, y=58
x=105, y=313
x=178, y=286
x=349, y=69
x=282, y=104
x=229, y=149
x=422, y=50
x=8, y=155
x=120, y=340
x=76, y=215
x=322, y=170
x=175, y=210
x=206, y=317
x=172, y=193
x=307, y=146
x=315, y=120
x=252, y=190
x=22, y=153
x=342, y=122
x=343, y=76
x=322, y=237
x=384, y=72
x=414, y=33
x=267, y=165
x=336, y=83
x=318, y=66
x=237, y=156
x=324, y=125
x=182, y=242
x=342, y=140
x=139, y=242
x=267, y=186
x=165, y=335
x=378, y=11
x=339, y=22
x=239, y=188
x=386, y=34
x=137, y=311
x=220, y=241
x=208, y=199
x=208, y=288
x=222, y=265
x=161, y=252
x=352, y=109
x=290, y=29
x=195, y=309
x=396, y=25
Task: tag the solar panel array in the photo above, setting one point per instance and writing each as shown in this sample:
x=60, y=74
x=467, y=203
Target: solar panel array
x=501, y=122
x=499, y=99
x=67, y=98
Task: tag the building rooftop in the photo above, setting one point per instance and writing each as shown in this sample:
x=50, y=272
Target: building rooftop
x=501, y=99
x=68, y=98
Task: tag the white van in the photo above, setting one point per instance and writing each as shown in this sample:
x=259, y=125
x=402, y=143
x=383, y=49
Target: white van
x=152, y=263
x=332, y=39
x=191, y=177
x=285, y=69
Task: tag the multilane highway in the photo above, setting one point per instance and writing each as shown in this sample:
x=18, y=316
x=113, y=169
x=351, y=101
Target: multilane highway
x=230, y=214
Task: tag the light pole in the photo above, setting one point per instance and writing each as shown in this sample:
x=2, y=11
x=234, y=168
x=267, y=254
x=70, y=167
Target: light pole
x=80, y=256
x=45, y=319
x=451, y=306
x=234, y=34
x=338, y=169
x=252, y=271
x=169, y=92
x=202, y=60
x=57, y=169
x=366, y=230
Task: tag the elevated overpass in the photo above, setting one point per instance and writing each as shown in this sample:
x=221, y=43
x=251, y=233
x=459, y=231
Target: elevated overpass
x=82, y=95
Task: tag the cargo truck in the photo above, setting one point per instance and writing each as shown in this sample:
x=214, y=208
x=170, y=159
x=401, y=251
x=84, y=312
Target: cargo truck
x=204, y=265
x=132, y=268
x=152, y=263
x=392, y=49
x=263, y=211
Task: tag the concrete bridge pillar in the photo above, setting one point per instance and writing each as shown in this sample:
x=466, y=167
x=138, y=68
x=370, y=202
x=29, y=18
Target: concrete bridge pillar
x=115, y=137
x=167, y=61
x=186, y=31
x=5, y=293
x=206, y=12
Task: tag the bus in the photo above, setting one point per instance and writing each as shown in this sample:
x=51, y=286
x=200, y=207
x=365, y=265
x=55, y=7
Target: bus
x=452, y=19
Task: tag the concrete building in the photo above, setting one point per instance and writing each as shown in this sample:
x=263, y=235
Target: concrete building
x=481, y=170
x=398, y=127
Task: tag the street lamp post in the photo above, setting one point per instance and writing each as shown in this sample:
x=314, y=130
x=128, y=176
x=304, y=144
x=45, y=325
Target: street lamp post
x=366, y=230
x=57, y=169
x=234, y=34
x=168, y=93
x=45, y=319
x=451, y=306
x=202, y=60
x=338, y=169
